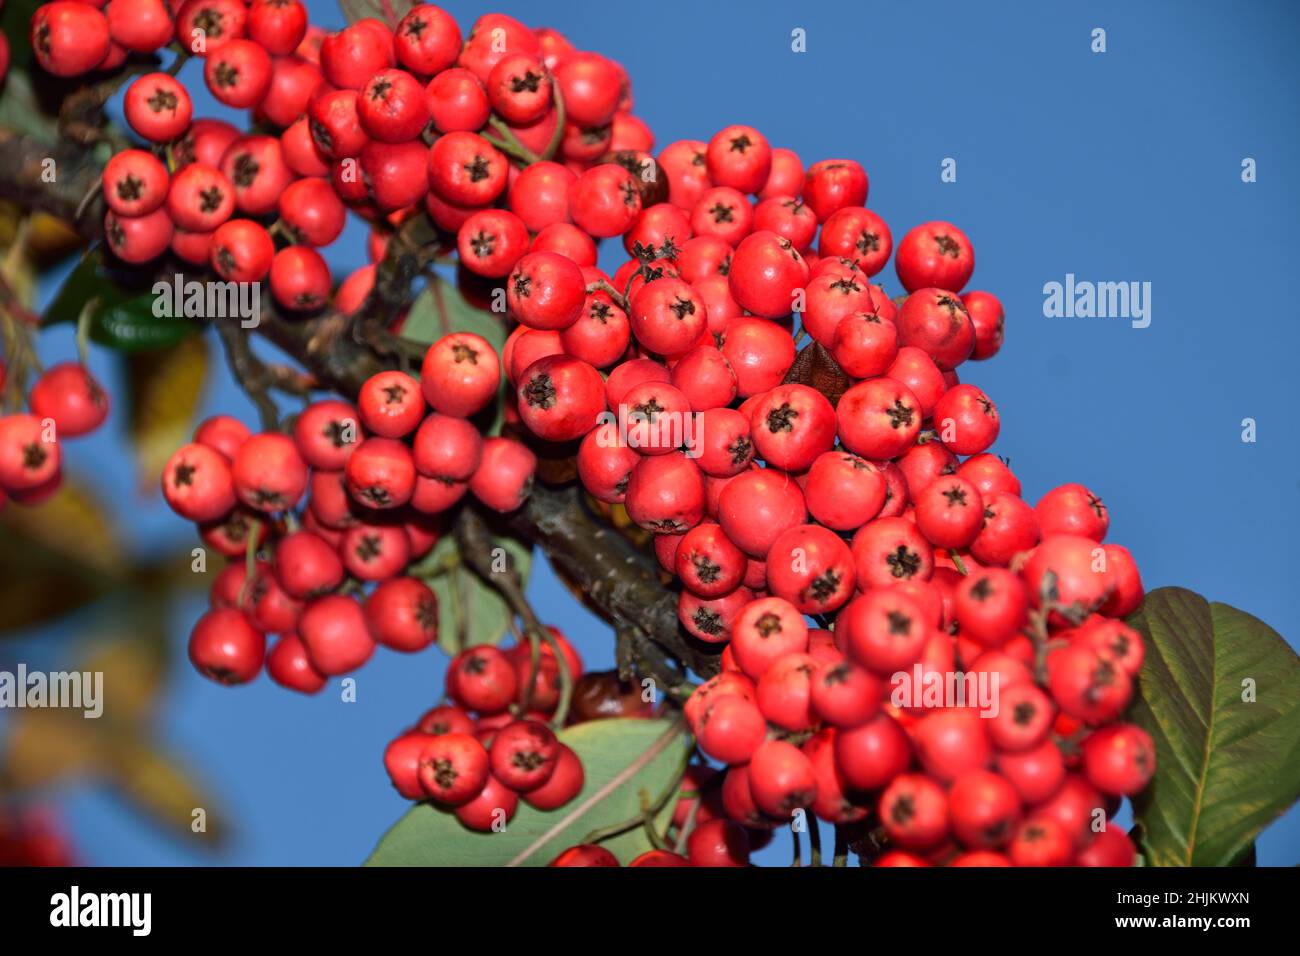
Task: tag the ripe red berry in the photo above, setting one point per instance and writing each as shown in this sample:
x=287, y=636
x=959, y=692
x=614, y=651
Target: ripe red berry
x=668, y=317
x=392, y=107
x=356, y=53
x=524, y=755
x=333, y=629
x=991, y=605
x=765, y=631
x=766, y=273
x=914, y=811
x=381, y=473
x=757, y=506
x=1041, y=841
x=878, y=418
x=196, y=481
x=722, y=843
x=504, y=478
x=1087, y=686
x=134, y=182
x=427, y=39
x=591, y=86
x=457, y=101
x=242, y=251
x=565, y=783
x=491, y=809
x=885, y=631
x=585, y=855
x=740, y=158
x=1023, y=720
x=137, y=239
x=845, y=694
x=812, y=568
x=288, y=665
x=278, y=26
x=69, y=38
x=239, y=73
x=986, y=315
x=306, y=565
x=859, y=236
x=936, y=322
x=665, y=494
x=708, y=563
x=268, y=472
x=784, y=693
x=1080, y=577
x=781, y=779
x=546, y=291
x=935, y=255
x=491, y=242
x=730, y=729
x=949, y=512
x=465, y=169
x=158, y=107
x=226, y=648
x=68, y=394
x=460, y=374
x=1072, y=509
x=1009, y=527
x=605, y=201
x=832, y=184
x=1110, y=847
x=391, y=404
x=967, y=420
x=447, y=448
x=983, y=809
x=453, y=768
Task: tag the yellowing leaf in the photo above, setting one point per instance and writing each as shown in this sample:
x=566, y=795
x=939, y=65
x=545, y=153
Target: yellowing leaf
x=165, y=389
x=70, y=526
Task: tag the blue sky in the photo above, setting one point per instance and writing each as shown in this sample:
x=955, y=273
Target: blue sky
x=1119, y=166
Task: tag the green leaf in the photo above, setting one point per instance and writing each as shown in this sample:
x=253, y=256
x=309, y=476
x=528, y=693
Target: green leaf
x=470, y=611
x=424, y=321
x=16, y=22
x=630, y=764
x=389, y=12
x=1226, y=764
x=121, y=317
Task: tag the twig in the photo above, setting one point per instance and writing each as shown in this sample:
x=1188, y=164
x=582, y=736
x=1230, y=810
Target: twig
x=249, y=371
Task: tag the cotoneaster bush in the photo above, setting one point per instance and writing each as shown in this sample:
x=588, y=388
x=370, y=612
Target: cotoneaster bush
x=745, y=397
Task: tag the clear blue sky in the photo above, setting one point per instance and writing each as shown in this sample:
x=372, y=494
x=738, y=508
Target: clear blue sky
x=1123, y=166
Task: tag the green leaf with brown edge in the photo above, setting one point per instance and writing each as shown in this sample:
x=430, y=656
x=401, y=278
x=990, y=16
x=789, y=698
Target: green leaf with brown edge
x=1226, y=765
x=470, y=611
x=630, y=765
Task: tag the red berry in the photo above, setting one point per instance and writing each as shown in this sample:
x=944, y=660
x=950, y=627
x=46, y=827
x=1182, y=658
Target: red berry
x=811, y=568
x=288, y=665
x=381, y=473
x=708, y=563
x=781, y=779
x=1023, y=719
x=668, y=317
x=460, y=374
x=718, y=843
x=739, y=157
x=986, y=315
x=306, y=565
x=889, y=550
x=137, y=239
x=766, y=273
x=764, y=632
x=605, y=201
x=585, y=855
x=427, y=39
x=392, y=107
x=1041, y=841
x=333, y=629
x=937, y=255
x=730, y=729
x=991, y=605
x=885, y=631
x=268, y=472
x=565, y=783
x=453, y=768
x=914, y=811
x=242, y=251
x=546, y=291
x=983, y=809
x=226, y=648
x=277, y=25
x=157, y=107
x=949, y=512
x=757, y=506
x=356, y=53
x=457, y=101
x=1009, y=527
x=491, y=242
x=967, y=420
x=936, y=322
x=134, y=182
x=466, y=169
x=504, y=478
x=524, y=755
x=878, y=418
x=69, y=395
x=196, y=481
x=1087, y=686
x=785, y=692
x=858, y=235
x=239, y=73
x=665, y=494
x=833, y=184
x=491, y=809
x=447, y=448
x=591, y=86
x=69, y=38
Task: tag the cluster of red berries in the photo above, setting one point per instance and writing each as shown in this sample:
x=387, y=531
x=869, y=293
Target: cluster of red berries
x=375, y=478
x=383, y=121
x=65, y=402
x=862, y=497
x=474, y=755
